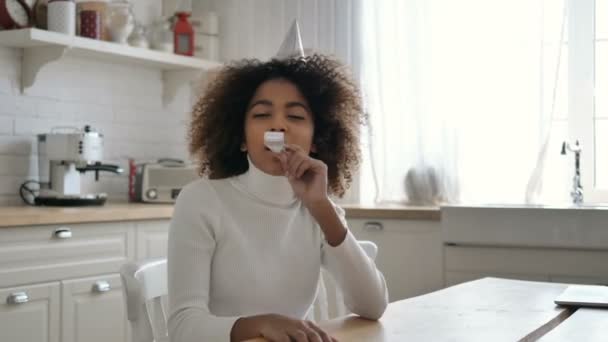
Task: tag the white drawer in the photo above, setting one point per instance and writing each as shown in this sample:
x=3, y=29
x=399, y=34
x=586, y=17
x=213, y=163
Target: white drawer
x=30, y=313
x=55, y=252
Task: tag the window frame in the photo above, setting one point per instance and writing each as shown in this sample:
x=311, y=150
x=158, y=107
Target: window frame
x=581, y=92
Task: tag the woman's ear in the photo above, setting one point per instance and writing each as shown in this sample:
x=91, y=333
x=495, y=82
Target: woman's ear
x=243, y=147
x=313, y=148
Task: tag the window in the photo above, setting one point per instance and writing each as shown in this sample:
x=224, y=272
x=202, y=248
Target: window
x=475, y=89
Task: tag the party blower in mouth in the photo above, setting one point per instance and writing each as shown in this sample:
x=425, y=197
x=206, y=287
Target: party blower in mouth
x=275, y=141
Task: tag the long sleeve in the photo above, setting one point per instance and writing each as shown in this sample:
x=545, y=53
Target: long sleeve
x=192, y=242
x=363, y=285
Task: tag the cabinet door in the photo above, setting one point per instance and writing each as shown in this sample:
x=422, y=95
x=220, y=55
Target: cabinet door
x=152, y=237
x=30, y=313
x=409, y=254
x=94, y=310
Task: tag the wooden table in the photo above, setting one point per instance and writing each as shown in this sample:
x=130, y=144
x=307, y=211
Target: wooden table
x=488, y=309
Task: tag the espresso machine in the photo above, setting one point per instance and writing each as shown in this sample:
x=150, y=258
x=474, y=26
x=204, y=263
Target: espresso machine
x=63, y=156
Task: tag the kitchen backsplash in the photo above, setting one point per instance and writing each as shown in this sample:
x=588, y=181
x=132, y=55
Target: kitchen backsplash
x=123, y=102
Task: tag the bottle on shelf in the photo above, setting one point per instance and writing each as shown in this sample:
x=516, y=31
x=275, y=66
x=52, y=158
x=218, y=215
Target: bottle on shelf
x=183, y=35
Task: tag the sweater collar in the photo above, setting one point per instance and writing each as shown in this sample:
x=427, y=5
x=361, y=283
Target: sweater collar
x=271, y=189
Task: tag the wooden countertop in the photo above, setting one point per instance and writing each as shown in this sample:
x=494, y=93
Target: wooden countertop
x=27, y=215
x=391, y=211
x=488, y=309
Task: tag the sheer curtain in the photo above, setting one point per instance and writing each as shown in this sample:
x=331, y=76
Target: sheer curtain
x=455, y=91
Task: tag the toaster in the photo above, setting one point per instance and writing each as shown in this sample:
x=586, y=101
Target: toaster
x=162, y=181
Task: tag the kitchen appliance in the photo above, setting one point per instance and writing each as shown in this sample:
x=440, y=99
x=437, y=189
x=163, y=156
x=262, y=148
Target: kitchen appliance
x=62, y=158
x=162, y=181
x=15, y=14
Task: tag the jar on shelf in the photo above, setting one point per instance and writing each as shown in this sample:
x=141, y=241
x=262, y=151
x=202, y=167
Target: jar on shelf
x=120, y=21
x=138, y=37
x=61, y=16
x=161, y=35
x=100, y=6
x=90, y=24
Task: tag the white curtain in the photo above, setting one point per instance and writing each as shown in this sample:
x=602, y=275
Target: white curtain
x=456, y=93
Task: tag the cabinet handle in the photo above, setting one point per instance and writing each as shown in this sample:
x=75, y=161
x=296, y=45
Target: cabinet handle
x=373, y=226
x=17, y=298
x=101, y=286
x=63, y=233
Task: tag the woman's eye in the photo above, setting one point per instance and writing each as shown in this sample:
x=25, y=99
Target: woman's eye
x=296, y=117
x=261, y=115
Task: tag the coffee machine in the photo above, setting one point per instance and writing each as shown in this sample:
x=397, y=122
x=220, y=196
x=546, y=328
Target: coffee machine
x=63, y=155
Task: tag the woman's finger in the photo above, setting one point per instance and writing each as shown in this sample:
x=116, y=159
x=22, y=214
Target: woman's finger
x=294, y=163
x=313, y=336
x=293, y=148
x=302, y=168
x=283, y=159
x=277, y=336
x=324, y=336
x=299, y=336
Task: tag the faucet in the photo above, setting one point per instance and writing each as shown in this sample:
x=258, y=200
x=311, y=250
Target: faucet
x=577, y=189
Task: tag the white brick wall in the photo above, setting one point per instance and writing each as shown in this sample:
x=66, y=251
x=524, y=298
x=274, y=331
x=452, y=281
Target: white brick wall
x=124, y=102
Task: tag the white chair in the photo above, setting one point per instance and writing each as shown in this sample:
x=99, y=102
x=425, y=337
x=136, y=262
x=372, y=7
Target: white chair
x=329, y=302
x=145, y=290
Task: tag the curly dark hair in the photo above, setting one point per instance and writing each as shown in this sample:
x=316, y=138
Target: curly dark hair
x=217, y=128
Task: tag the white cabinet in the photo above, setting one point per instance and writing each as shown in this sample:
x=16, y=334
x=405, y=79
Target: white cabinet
x=409, y=253
x=30, y=313
x=152, y=239
x=67, y=277
x=464, y=263
x=93, y=310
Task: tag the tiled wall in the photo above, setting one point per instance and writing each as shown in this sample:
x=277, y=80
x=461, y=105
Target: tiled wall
x=124, y=102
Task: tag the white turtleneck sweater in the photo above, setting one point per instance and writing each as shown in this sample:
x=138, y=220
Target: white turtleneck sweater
x=246, y=246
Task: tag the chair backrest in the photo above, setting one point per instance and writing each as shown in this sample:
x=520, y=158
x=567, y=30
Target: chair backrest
x=370, y=248
x=329, y=302
x=145, y=290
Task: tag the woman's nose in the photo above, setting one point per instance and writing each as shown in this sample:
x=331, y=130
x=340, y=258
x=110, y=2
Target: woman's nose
x=278, y=125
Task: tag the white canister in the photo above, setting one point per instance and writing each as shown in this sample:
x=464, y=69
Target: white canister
x=61, y=16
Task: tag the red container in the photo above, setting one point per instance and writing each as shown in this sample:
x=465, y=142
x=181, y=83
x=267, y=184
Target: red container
x=90, y=24
x=132, y=175
x=183, y=35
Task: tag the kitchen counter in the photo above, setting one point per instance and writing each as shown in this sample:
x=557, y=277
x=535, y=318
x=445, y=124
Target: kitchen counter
x=27, y=216
x=391, y=211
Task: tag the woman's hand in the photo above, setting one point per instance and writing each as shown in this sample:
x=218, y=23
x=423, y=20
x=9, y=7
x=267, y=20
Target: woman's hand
x=277, y=328
x=307, y=176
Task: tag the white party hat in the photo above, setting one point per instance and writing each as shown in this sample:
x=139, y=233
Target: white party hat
x=292, y=44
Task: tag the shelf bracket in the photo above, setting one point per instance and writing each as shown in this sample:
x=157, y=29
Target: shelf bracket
x=196, y=79
x=175, y=79
x=34, y=59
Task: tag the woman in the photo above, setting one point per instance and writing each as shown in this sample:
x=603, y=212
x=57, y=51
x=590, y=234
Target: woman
x=246, y=244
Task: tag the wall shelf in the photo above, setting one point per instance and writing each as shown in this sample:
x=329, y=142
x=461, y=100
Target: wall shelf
x=42, y=47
